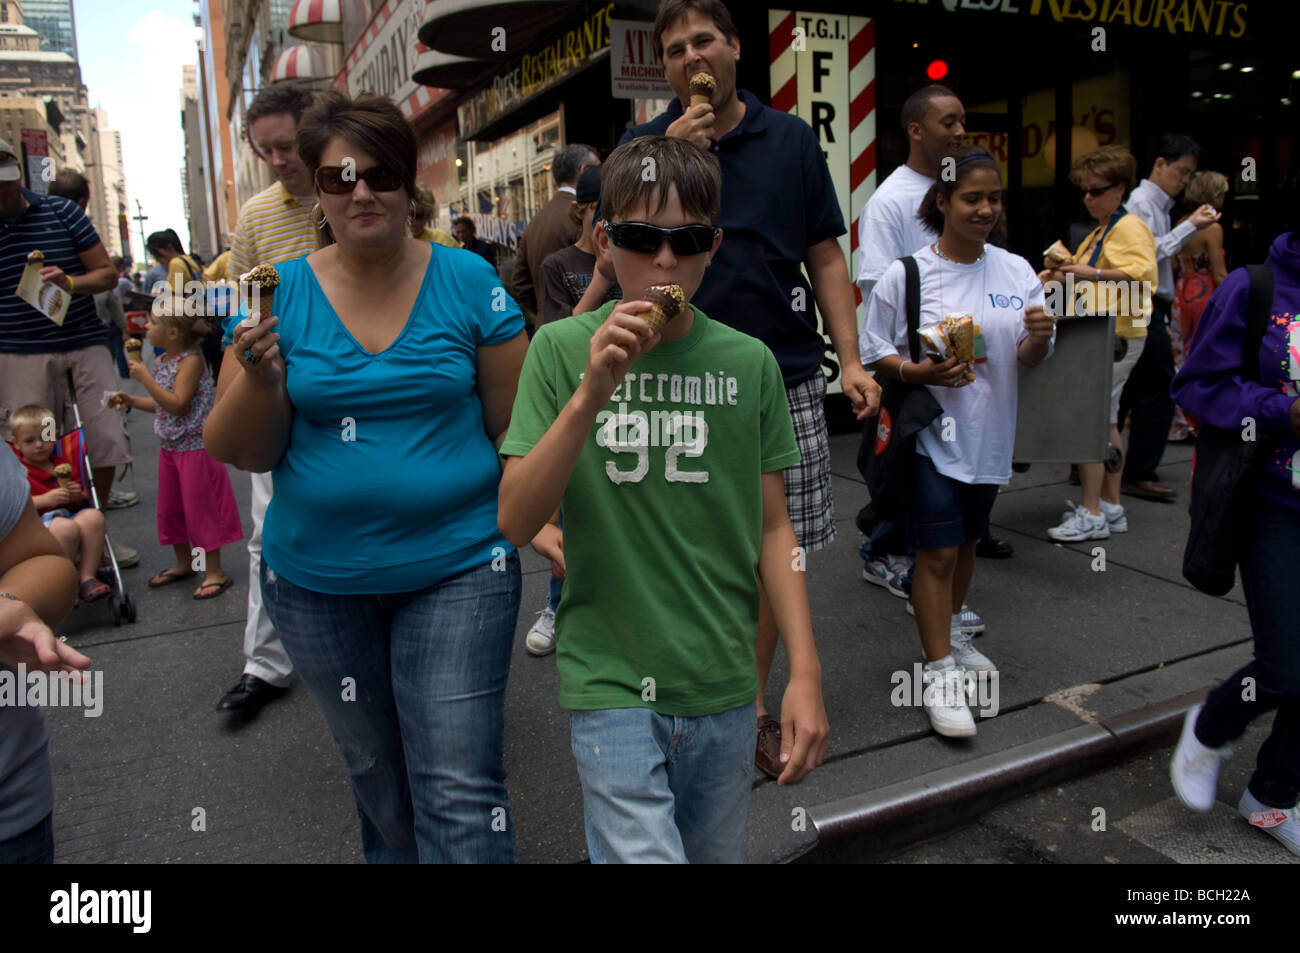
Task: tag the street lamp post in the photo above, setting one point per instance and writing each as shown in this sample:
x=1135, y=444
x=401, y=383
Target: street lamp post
x=141, y=218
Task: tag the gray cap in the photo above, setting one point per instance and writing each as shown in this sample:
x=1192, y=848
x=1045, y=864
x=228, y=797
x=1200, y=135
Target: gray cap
x=10, y=169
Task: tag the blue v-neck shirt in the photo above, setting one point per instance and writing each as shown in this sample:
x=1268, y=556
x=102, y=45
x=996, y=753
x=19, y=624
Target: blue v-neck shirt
x=389, y=483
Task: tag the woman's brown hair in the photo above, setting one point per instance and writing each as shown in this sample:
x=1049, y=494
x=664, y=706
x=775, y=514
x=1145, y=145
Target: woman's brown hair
x=1115, y=164
x=371, y=123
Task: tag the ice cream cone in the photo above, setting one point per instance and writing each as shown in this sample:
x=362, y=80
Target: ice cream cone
x=36, y=257
x=668, y=300
x=960, y=331
x=63, y=473
x=1057, y=255
x=134, y=347
x=702, y=87
x=266, y=279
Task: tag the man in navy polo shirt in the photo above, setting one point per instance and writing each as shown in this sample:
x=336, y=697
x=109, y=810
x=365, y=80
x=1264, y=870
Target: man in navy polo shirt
x=779, y=211
x=34, y=351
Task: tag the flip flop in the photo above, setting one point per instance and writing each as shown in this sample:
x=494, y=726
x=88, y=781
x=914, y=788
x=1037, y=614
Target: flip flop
x=221, y=587
x=92, y=590
x=168, y=577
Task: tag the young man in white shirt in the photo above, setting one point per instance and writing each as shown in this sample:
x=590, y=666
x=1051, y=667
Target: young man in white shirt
x=1146, y=395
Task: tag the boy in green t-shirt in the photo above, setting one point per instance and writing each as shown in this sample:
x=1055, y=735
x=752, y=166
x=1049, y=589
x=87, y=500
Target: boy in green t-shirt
x=666, y=450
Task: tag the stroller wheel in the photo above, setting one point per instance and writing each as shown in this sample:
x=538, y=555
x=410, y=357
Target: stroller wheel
x=1020, y=467
x=128, y=609
x=117, y=610
x=1114, y=458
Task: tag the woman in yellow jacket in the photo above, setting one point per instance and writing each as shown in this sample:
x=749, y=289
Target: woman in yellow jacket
x=1114, y=272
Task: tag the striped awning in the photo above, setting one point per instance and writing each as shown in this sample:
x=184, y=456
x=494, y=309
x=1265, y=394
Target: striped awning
x=300, y=62
x=321, y=21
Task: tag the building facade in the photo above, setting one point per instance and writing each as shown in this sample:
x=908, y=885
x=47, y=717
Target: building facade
x=194, y=186
x=54, y=21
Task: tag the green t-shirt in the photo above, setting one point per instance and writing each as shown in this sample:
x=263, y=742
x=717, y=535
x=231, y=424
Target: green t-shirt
x=663, y=515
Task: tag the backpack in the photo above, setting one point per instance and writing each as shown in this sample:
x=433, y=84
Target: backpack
x=1224, y=470
x=887, y=454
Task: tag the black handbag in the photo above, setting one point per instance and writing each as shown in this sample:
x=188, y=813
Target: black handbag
x=887, y=454
x=1223, y=469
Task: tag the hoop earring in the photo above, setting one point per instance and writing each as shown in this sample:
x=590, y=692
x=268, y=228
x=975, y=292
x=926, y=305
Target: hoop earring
x=323, y=220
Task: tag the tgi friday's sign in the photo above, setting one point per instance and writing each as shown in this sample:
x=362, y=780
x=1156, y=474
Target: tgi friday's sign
x=384, y=57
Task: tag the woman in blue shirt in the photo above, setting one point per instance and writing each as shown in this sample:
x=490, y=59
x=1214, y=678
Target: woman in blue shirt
x=374, y=395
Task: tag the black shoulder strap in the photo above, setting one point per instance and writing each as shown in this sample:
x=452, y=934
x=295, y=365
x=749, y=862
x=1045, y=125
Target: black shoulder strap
x=1258, y=308
x=913, y=285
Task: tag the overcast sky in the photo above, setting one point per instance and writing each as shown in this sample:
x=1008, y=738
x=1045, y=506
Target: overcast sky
x=131, y=55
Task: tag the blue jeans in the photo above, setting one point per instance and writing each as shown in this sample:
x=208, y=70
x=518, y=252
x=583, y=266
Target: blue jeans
x=1268, y=576
x=664, y=789
x=34, y=846
x=413, y=688
x=557, y=585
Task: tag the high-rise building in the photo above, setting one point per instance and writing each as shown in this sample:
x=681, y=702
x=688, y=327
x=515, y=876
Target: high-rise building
x=53, y=20
x=194, y=187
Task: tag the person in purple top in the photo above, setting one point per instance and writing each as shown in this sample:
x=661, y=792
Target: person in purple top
x=1210, y=387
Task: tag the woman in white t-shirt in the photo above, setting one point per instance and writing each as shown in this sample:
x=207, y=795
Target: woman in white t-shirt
x=965, y=454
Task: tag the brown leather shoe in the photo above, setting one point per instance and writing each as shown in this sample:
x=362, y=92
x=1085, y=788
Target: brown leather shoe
x=767, y=755
x=1150, y=490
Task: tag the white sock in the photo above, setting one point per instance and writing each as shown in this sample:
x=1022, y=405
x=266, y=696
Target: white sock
x=1111, y=509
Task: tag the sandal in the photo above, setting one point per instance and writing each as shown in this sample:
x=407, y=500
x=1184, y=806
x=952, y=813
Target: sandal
x=220, y=587
x=92, y=590
x=166, y=577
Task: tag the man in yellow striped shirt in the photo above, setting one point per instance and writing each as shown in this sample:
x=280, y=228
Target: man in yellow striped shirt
x=274, y=226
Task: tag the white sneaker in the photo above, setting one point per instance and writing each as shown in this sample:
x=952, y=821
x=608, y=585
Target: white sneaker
x=1080, y=525
x=1284, y=824
x=944, y=698
x=541, y=637
x=972, y=623
x=1117, y=522
x=968, y=658
x=1194, y=769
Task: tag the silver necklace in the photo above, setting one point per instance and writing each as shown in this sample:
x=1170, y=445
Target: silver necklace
x=934, y=247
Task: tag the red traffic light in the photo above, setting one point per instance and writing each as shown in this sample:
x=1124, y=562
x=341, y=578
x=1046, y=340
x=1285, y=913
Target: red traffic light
x=937, y=70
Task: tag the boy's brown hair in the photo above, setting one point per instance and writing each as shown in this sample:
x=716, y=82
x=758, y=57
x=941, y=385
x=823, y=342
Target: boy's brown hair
x=642, y=171
x=29, y=415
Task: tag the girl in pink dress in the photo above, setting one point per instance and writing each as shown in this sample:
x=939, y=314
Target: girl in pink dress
x=197, y=514
x=1199, y=268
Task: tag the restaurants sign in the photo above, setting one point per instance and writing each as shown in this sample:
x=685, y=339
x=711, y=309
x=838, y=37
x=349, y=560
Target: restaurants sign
x=533, y=73
x=635, y=70
x=1206, y=17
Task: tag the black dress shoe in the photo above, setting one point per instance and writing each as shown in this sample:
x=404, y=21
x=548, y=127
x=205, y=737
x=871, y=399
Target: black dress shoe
x=991, y=547
x=249, y=694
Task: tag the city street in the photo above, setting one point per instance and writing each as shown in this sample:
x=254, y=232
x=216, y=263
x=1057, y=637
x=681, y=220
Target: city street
x=160, y=776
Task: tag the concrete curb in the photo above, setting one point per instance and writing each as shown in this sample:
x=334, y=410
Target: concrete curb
x=918, y=808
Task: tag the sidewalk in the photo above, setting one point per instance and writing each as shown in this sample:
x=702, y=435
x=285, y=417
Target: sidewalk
x=274, y=789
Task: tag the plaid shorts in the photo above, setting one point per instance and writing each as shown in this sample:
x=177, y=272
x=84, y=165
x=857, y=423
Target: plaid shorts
x=808, y=482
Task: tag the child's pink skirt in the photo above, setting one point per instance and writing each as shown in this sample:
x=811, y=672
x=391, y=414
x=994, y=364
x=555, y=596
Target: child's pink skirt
x=196, y=505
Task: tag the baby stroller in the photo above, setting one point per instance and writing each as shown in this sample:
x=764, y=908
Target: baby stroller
x=120, y=603
x=72, y=448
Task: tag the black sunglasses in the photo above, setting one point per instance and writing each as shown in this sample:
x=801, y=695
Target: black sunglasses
x=646, y=239
x=1099, y=191
x=336, y=180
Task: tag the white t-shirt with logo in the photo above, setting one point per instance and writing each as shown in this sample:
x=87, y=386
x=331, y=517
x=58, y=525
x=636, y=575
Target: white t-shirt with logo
x=888, y=228
x=972, y=440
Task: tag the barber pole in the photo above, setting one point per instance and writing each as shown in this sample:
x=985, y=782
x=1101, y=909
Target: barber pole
x=862, y=128
x=822, y=68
